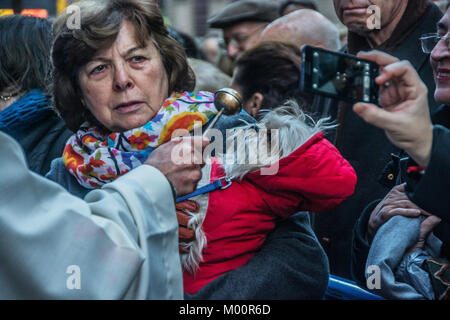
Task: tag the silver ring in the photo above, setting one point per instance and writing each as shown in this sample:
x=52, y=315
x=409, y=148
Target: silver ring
x=387, y=84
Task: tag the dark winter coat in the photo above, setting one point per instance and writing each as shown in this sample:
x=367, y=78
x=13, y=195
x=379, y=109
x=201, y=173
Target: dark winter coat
x=35, y=125
x=430, y=192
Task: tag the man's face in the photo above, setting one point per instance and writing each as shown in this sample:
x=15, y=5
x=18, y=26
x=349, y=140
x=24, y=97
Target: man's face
x=241, y=37
x=440, y=62
x=354, y=13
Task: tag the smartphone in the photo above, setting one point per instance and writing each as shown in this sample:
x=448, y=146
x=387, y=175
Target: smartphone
x=338, y=75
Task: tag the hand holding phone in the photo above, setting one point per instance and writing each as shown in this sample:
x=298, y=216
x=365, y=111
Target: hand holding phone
x=404, y=112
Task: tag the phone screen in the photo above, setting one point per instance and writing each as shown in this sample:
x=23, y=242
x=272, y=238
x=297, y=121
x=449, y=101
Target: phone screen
x=338, y=75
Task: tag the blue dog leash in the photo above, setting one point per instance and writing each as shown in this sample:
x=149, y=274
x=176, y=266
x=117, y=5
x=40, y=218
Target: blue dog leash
x=221, y=184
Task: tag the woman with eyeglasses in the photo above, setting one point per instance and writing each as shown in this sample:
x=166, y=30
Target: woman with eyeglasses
x=383, y=235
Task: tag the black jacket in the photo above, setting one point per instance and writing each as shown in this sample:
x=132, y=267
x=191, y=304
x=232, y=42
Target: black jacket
x=430, y=192
x=368, y=150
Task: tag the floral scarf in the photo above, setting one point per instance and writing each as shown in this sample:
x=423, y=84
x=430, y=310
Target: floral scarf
x=95, y=157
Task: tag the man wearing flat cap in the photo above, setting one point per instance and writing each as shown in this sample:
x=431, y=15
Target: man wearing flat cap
x=242, y=23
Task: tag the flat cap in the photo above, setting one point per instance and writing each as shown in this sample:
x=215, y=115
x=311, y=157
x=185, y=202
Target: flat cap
x=245, y=10
x=306, y=3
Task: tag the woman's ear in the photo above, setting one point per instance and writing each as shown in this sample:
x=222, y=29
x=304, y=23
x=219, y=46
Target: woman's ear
x=254, y=104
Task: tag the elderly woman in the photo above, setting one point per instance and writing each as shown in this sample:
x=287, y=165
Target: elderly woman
x=101, y=84
x=25, y=74
x=121, y=82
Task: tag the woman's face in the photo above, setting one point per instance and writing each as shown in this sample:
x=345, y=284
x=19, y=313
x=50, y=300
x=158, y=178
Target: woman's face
x=125, y=85
x=440, y=62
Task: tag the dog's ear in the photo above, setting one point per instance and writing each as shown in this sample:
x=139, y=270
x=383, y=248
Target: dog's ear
x=254, y=104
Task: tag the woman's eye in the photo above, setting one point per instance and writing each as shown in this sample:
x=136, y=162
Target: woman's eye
x=138, y=59
x=98, y=69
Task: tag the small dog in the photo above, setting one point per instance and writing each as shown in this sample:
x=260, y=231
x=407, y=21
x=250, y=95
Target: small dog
x=233, y=223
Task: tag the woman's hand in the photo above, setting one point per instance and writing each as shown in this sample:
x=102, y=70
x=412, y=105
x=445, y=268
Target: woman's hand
x=405, y=115
x=180, y=160
x=395, y=203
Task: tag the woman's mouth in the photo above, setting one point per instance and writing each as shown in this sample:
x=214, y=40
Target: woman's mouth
x=128, y=107
x=443, y=75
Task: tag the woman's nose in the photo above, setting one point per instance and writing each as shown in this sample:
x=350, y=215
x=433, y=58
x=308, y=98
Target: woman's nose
x=441, y=50
x=122, y=79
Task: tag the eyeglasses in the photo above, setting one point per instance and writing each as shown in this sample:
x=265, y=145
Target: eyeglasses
x=429, y=41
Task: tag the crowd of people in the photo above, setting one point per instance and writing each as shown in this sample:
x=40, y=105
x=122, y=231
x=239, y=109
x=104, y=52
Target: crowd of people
x=97, y=175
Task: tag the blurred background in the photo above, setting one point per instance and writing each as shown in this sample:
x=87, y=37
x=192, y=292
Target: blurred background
x=177, y=10
x=187, y=15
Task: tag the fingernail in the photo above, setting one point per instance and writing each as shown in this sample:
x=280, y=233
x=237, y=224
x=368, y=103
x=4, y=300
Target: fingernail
x=358, y=107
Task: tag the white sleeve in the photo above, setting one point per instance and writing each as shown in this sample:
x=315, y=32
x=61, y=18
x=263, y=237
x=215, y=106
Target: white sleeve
x=121, y=242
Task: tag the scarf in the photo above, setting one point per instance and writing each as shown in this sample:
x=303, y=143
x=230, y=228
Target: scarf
x=95, y=156
x=32, y=108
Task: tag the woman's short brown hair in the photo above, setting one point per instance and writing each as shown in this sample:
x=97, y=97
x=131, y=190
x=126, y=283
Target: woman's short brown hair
x=25, y=44
x=101, y=21
x=272, y=69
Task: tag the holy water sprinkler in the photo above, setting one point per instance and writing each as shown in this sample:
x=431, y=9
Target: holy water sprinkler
x=228, y=101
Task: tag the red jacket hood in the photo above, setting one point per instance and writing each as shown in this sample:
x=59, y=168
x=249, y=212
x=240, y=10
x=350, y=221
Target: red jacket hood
x=315, y=176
